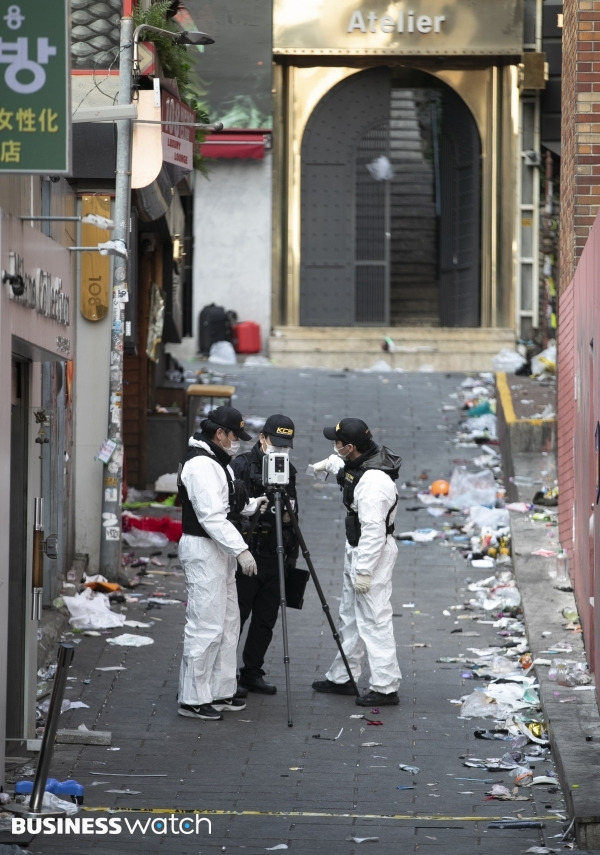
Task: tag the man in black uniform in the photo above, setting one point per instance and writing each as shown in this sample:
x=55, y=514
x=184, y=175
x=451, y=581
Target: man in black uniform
x=259, y=595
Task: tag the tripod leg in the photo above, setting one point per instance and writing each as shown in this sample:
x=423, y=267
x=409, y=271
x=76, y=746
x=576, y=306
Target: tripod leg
x=280, y=563
x=319, y=590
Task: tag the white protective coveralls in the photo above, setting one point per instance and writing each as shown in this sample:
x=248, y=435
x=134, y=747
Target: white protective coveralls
x=212, y=620
x=366, y=619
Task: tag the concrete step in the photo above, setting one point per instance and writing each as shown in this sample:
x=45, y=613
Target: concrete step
x=442, y=348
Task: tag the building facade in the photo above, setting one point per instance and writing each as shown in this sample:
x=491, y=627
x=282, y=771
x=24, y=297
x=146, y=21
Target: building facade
x=407, y=146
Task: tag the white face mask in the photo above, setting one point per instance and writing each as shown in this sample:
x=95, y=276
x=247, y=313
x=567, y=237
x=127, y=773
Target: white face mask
x=338, y=451
x=233, y=448
x=267, y=448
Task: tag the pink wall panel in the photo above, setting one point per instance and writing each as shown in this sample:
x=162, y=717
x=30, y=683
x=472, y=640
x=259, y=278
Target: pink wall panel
x=578, y=416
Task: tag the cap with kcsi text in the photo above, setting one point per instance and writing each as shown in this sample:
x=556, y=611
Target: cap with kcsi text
x=280, y=430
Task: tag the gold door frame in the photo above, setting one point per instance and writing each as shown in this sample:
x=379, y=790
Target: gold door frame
x=492, y=96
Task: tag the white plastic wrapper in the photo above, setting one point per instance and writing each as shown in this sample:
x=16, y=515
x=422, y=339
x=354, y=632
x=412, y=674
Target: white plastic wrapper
x=91, y=610
x=130, y=640
x=381, y=169
x=222, y=353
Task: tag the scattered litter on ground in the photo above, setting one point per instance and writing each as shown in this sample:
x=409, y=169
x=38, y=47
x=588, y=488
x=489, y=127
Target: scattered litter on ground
x=125, y=792
x=499, y=791
x=422, y=535
x=91, y=610
x=136, y=537
x=330, y=738
x=65, y=705
x=132, y=774
x=129, y=640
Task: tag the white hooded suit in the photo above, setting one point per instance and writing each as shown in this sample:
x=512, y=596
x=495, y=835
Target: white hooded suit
x=366, y=619
x=208, y=665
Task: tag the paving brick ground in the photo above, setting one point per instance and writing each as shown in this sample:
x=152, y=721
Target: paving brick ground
x=260, y=782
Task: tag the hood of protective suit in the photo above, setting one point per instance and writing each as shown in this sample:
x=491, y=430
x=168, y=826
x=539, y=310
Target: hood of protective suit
x=380, y=458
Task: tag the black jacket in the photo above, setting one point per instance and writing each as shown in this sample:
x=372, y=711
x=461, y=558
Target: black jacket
x=262, y=534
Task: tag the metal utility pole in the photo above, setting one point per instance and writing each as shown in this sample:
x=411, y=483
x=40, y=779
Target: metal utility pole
x=112, y=479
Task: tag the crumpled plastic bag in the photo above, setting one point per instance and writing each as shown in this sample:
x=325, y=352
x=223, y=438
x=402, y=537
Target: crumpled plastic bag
x=468, y=489
x=91, y=610
x=486, y=425
x=420, y=535
x=138, y=537
x=508, y=360
x=381, y=169
x=489, y=517
x=130, y=640
x=49, y=800
x=544, y=361
x=499, y=701
x=222, y=353
x=172, y=529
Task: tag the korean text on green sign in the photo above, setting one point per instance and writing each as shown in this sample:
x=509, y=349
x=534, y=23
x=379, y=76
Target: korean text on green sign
x=34, y=87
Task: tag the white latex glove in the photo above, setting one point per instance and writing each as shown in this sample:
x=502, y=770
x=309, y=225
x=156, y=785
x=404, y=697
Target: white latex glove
x=321, y=466
x=253, y=505
x=247, y=563
x=361, y=583
x=262, y=503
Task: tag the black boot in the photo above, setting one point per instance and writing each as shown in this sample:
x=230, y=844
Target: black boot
x=257, y=683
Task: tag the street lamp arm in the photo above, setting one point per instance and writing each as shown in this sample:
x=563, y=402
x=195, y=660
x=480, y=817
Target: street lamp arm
x=184, y=37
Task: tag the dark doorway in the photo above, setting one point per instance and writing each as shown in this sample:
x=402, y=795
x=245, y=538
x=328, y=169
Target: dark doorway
x=390, y=223
x=18, y=575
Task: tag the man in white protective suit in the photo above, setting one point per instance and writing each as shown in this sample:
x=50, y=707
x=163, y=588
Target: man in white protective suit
x=209, y=550
x=366, y=473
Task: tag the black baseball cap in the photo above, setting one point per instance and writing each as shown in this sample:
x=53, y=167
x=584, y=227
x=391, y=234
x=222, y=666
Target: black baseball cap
x=353, y=431
x=230, y=419
x=280, y=430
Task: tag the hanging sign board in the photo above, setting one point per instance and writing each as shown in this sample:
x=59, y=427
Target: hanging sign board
x=406, y=27
x=95, y=268
x=35, y=76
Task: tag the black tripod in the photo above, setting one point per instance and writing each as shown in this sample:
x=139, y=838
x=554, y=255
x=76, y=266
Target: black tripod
x=281, y=497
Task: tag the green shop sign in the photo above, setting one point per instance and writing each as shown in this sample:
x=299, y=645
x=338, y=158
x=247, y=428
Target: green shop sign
x=35, y=110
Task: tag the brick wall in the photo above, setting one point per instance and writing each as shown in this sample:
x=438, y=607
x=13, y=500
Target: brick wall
x=580, y=161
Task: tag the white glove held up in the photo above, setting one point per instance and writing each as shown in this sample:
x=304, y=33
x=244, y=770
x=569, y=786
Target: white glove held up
x=321, y=466
x=247, y=563
x=361, y=583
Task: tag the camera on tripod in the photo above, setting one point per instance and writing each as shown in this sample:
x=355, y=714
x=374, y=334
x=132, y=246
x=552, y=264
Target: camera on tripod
x=275, y=469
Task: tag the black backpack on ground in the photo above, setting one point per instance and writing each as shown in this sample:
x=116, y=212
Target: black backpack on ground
x=214, y=324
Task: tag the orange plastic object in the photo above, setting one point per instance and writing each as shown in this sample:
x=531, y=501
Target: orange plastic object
x=440, y=488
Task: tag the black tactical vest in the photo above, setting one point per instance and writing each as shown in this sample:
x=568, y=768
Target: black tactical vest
x=189, y=520
x=348, y=479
